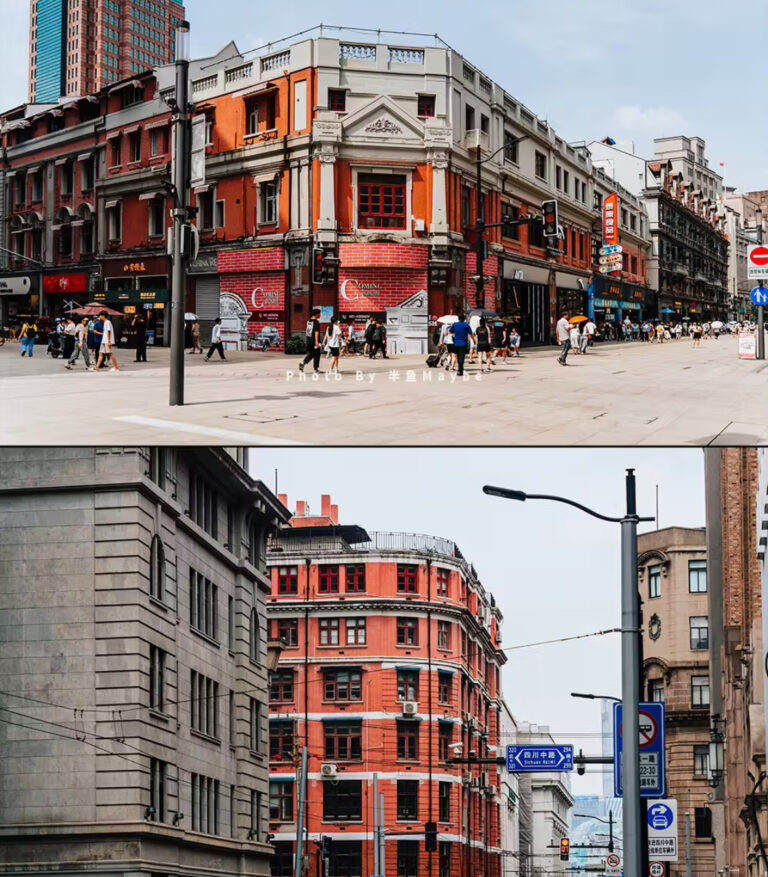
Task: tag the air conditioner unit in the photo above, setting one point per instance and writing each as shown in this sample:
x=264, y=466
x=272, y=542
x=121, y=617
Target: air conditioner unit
x=483, y=779
x=491, y=791
x=466, y=778
x=410, y=708
x=472, y=723
x=328, y=770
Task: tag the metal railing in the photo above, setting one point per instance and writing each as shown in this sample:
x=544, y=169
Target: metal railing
x=391, y=541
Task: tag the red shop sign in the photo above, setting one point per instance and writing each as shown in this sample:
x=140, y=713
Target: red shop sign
x=53, y=283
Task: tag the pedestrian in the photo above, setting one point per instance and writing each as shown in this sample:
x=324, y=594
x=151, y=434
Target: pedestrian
x=28, y=336
x=513, y=344
x=462, y=333
x=697, y=332
x=450, y=347
x=575, y=346
x=81, y=345
x=499, y=340
x=660, y=333
x=379, y=340
x=67, y=337
x=332, y=343
x=312, y=338
x=195, y=330
x=368, y=333
x=483, y=335
x=187, y=335
x=590, y=329
x=139, y=326
x=216, y=342
x=563, y=330
x=106, y=348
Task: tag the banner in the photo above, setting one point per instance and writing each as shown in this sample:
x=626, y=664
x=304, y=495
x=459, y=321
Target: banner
x=610, y=220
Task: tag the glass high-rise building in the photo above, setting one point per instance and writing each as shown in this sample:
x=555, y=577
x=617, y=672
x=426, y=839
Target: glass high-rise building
x=79, y=46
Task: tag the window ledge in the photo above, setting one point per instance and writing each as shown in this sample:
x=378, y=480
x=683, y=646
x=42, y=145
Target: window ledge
x=259, y=756
x=205, y=636
x=256, y=134
x=203, y=736
x=115, y=167
x=159, y=715
x=134, y=163
x=156, y=601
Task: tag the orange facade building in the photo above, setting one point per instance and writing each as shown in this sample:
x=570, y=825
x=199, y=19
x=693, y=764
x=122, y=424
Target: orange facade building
x=390, y=668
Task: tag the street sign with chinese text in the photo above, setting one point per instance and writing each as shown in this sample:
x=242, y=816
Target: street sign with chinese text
x=539, y=758
x=662, y=830
x=651, y=740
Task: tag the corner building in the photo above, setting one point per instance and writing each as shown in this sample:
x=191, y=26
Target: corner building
x=133, y=662
x=391, y=666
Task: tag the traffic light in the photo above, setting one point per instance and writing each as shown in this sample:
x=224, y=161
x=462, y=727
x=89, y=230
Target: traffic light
x=325, y=847
x=430, y=837
x=549, y=208
x=565, y=849
x=318, y=265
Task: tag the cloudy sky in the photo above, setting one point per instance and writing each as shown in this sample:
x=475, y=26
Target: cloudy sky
x=632, y=70
x=554, y=571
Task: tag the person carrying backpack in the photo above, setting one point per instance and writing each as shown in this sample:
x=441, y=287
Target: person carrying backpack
x=314, y=346
x=28, y=336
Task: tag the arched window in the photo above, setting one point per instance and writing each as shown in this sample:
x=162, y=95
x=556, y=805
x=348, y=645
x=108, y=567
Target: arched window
x=255, y=638
x=157, y=569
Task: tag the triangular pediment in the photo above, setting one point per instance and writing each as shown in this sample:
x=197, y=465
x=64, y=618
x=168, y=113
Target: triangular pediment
x=381, y=119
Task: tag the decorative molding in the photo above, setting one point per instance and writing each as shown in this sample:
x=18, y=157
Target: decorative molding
x=383, y=125
x=654, y=627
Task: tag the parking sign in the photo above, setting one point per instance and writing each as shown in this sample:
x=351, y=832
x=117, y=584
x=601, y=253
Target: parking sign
x=662, y=830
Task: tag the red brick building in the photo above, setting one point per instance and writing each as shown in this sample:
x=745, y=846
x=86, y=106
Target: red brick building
x=391, y=667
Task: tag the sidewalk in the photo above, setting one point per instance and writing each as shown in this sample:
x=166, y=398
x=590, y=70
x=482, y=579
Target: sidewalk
x=619, y=394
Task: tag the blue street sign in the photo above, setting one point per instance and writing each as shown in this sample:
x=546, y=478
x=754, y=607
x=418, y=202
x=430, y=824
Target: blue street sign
x=539, y=758
x=660, y=817
x=759, y=295
x=653, y=771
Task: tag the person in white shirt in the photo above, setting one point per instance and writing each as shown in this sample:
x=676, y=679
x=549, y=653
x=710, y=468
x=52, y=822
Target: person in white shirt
x=563, y=330
x=590, y=330
x=107, y=343
x=332, y=343
x=81, y=345
x=216, y=343
x=575, y=338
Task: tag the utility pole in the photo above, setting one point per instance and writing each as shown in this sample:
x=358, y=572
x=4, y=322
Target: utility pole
x=760, y=316
x=687, y=844
x=298, y=867
x=179, y=212
x=479, y=233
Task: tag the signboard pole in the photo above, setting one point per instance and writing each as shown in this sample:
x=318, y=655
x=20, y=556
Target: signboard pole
x=630, y=687
x=760, y=333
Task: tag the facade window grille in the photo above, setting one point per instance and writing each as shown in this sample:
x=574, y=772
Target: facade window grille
x=343, y=801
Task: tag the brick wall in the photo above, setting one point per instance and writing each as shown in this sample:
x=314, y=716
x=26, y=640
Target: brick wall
x=263, y=259
x=490, y=267
x=381, y=275
x=261, y=292
x=384, y=255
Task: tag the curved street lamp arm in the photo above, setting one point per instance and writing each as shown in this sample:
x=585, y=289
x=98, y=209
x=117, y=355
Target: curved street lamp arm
x=504, y=146
x=520, y=495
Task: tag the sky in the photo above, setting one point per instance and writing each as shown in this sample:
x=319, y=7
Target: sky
x=553, y=570
x=632, y=70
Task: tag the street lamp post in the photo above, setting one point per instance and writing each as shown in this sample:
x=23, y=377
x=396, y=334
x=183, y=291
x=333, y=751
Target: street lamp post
x=608, y=821
x=760, y=316
x=635, y=858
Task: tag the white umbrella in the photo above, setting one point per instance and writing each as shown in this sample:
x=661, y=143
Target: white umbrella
x=449, y=319
x=717, y=324
x=190, y=316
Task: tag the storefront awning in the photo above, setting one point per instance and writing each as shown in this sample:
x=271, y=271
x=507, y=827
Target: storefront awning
x=108, y=204
x=525, y=273
x=570, y=281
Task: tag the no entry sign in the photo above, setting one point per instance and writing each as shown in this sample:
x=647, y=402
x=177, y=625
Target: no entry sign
x=652, y=755
x=757, y=261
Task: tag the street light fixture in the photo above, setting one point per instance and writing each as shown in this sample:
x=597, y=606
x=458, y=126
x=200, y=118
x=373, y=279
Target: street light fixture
x=595, y=697
x=635, y=857
x=608, y=822
x=716, y=751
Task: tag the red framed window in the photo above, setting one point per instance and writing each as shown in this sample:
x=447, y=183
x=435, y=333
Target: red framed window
x=343, y=740
x=343, y=685
x=329, y=579
x=287, y=579
x=444, y=740
x=407, y=740
x=287, y=630
x=406, y=578
x=407, y=631
x=426, y=105
x=281, y=686
x=329, y=631
x=355, y=577
x=444, y=686
x=442, y=582
x=337, y=99
x=381, y=201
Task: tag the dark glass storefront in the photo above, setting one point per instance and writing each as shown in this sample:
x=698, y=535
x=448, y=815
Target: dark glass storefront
x=613, y=300
x=154, y=303
x=527, y=304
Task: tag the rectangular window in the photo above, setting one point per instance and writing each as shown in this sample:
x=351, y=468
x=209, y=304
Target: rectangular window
x=355, y=573
x=509, y=211
x=558, y=177
x=134, y=147
x=156, y=217
x=337, y=99
x=381, y=201
x=540, y=165
x=406, y=578
x=346, y=858
x=407, y=858
x=232, y=719
x=287, y=630
x=425, y=105
x=203, y=604
x=205, y=804
x=157, y=773
x=444, y=740
x=444, y=858
x=209, y=132
x=343, y=740
x=469, y=118
x=156, y=678
x=356, y=631
x=281, y=742
x=204, y=704
x=67, y=178
x=252, y=118
x=281, y=800
x=343, y=685
x=699, y=630
x=407, y=740
x=442, y=576
x=281, y=861
x=443, y=635
x=656, y=690
x=701, y=760
x=536, y=235
x=287, y=580
x=510, y=147
x=203, y=505
x=218, y=217
x=231, y=633
x=281, y=686
x=256, y=815
x=444, y=801
x=257, y=720
x=699, y=692
x=407, y=800
x=268, y=204
x=407, y=631
x=697, y=576
x=329, y=579
x=114, y=223
x=343, y=800
x=329, y=631
x=443, y=687
x=407, y=684
x=466, y=206
x=654, y=581
x=205, y=209
x=37, y=186
x=566, y=182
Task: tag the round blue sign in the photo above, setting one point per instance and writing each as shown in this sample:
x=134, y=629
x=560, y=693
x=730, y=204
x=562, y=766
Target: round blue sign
x=660, y=817
x=759, y=295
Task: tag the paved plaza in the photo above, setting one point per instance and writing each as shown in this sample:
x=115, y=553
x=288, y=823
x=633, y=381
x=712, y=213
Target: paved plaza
x=619, y=394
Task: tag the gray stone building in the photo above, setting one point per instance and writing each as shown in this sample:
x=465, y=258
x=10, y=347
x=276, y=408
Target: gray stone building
x=133, y=662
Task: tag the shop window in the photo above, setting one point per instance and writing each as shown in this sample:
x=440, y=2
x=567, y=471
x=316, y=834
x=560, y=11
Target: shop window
x=337, y=99
x=407, y=800
x=343, y=800
x=355, y=574
x=281, y=800
x=281, y=686
x=407, y=631
x=426, y=105
x=329, y=579
x=287, y=579
x=381, y=201
x=156, y=217
x=407, y=684
x=407, y=740
x=329, y=631
x=406, y=578
x=343, y=685
x=281, y=741
x=343, y=740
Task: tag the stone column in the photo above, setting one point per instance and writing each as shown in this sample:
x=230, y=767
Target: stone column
x=439, y=162
x=326, y=220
